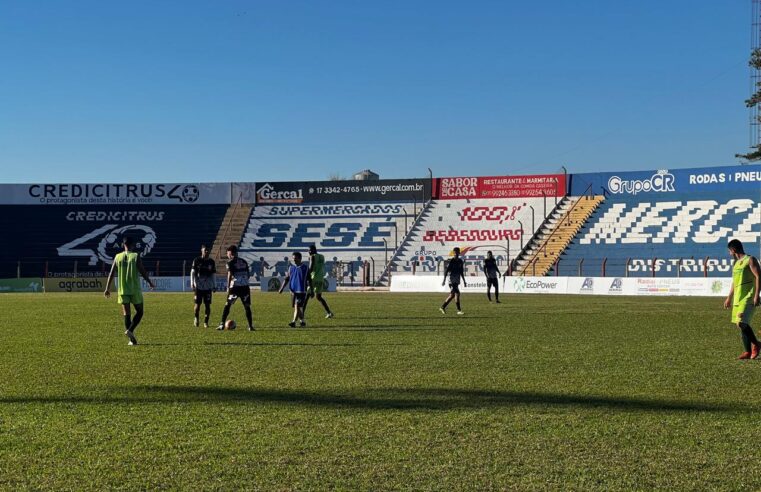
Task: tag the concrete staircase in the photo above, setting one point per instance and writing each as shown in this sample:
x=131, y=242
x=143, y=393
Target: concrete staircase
x=231, y=230
x=396, y=264
x=562, y=225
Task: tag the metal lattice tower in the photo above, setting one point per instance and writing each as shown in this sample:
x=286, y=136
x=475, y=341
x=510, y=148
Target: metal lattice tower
x=755, y=74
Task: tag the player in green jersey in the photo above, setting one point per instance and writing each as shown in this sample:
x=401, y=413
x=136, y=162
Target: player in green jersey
x=744, y=296
x=130, y=269
x=316, y=278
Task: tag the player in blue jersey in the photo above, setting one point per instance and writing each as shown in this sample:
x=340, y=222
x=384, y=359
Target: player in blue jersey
x=296, y=279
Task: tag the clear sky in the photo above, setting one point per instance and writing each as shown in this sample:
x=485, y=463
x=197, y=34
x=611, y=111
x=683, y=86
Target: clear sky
x=151, y=91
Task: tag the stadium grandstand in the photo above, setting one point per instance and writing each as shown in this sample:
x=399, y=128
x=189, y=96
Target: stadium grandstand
x=666, y=223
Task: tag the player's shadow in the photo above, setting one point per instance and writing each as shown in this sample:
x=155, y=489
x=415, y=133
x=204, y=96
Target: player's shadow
x=299, y=344
x=381, y=328
x=435, y=316
x=422, y=399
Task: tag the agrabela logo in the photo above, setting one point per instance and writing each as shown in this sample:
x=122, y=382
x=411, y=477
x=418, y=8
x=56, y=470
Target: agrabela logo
x=268, y=194
x=660, y=182
x=80, y=285
x=588, y=285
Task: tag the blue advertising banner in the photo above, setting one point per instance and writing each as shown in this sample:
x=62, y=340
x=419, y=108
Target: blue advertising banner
x=664, y=182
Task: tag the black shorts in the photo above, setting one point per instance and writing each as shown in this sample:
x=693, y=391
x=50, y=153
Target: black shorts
x=298, y=299
x=492, y=282
x=204, y=296
x=241, y=291
x=454, y=288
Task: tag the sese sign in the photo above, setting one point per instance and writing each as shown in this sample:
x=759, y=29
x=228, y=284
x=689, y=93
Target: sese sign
x=501, y=187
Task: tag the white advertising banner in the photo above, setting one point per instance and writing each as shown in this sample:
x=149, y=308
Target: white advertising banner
x=432, y=283
x=535, y=285
x=115, y=194
x=163, y=284
x=272, y=284
x=602, y=286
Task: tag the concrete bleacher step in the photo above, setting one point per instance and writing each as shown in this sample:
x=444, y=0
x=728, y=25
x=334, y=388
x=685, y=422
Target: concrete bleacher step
x=231, y=229
x=563, y=225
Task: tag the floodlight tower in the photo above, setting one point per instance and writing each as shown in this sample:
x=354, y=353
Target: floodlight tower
x=755, y=74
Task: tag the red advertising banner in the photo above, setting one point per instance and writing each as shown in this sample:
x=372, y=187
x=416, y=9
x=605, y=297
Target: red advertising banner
x=500, y=187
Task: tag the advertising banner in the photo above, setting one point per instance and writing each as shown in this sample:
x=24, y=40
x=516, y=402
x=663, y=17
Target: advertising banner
x=535, y=285
x=432, y=283
x=272, y=284
x=602, y=286
x=8, y=285
x=664, y=182
x=220, y=281
x=163, y=284
x=59, y=236
x=75, y=284
x=115, y=194
x=536, y=186
x=384, y=190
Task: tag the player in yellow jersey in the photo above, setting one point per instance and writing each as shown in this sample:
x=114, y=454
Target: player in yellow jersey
x=130, y=269
x=744, y=296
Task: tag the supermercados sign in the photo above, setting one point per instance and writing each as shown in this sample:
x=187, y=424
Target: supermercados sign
x=115, y=194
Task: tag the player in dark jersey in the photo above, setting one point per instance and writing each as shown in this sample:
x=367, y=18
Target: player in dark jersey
x=492, y=276
x=454, y=272
x=237, y=286
x=296, y=279
x=202, y=281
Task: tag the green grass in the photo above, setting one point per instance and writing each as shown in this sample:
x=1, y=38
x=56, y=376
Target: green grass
x=539, y=392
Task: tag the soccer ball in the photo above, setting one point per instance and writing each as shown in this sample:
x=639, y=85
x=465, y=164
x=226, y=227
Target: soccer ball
x=230, y=324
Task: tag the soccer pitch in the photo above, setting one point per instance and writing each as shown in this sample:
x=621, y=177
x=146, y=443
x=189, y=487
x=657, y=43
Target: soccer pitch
x=540, y=392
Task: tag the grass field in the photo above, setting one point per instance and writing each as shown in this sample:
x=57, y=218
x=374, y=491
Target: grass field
x=536, y=393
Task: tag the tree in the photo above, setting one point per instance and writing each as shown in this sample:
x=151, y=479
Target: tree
x=336, y=177
x=752, y=102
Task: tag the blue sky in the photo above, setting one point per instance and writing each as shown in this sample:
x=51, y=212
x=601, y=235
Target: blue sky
x=94, y=91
